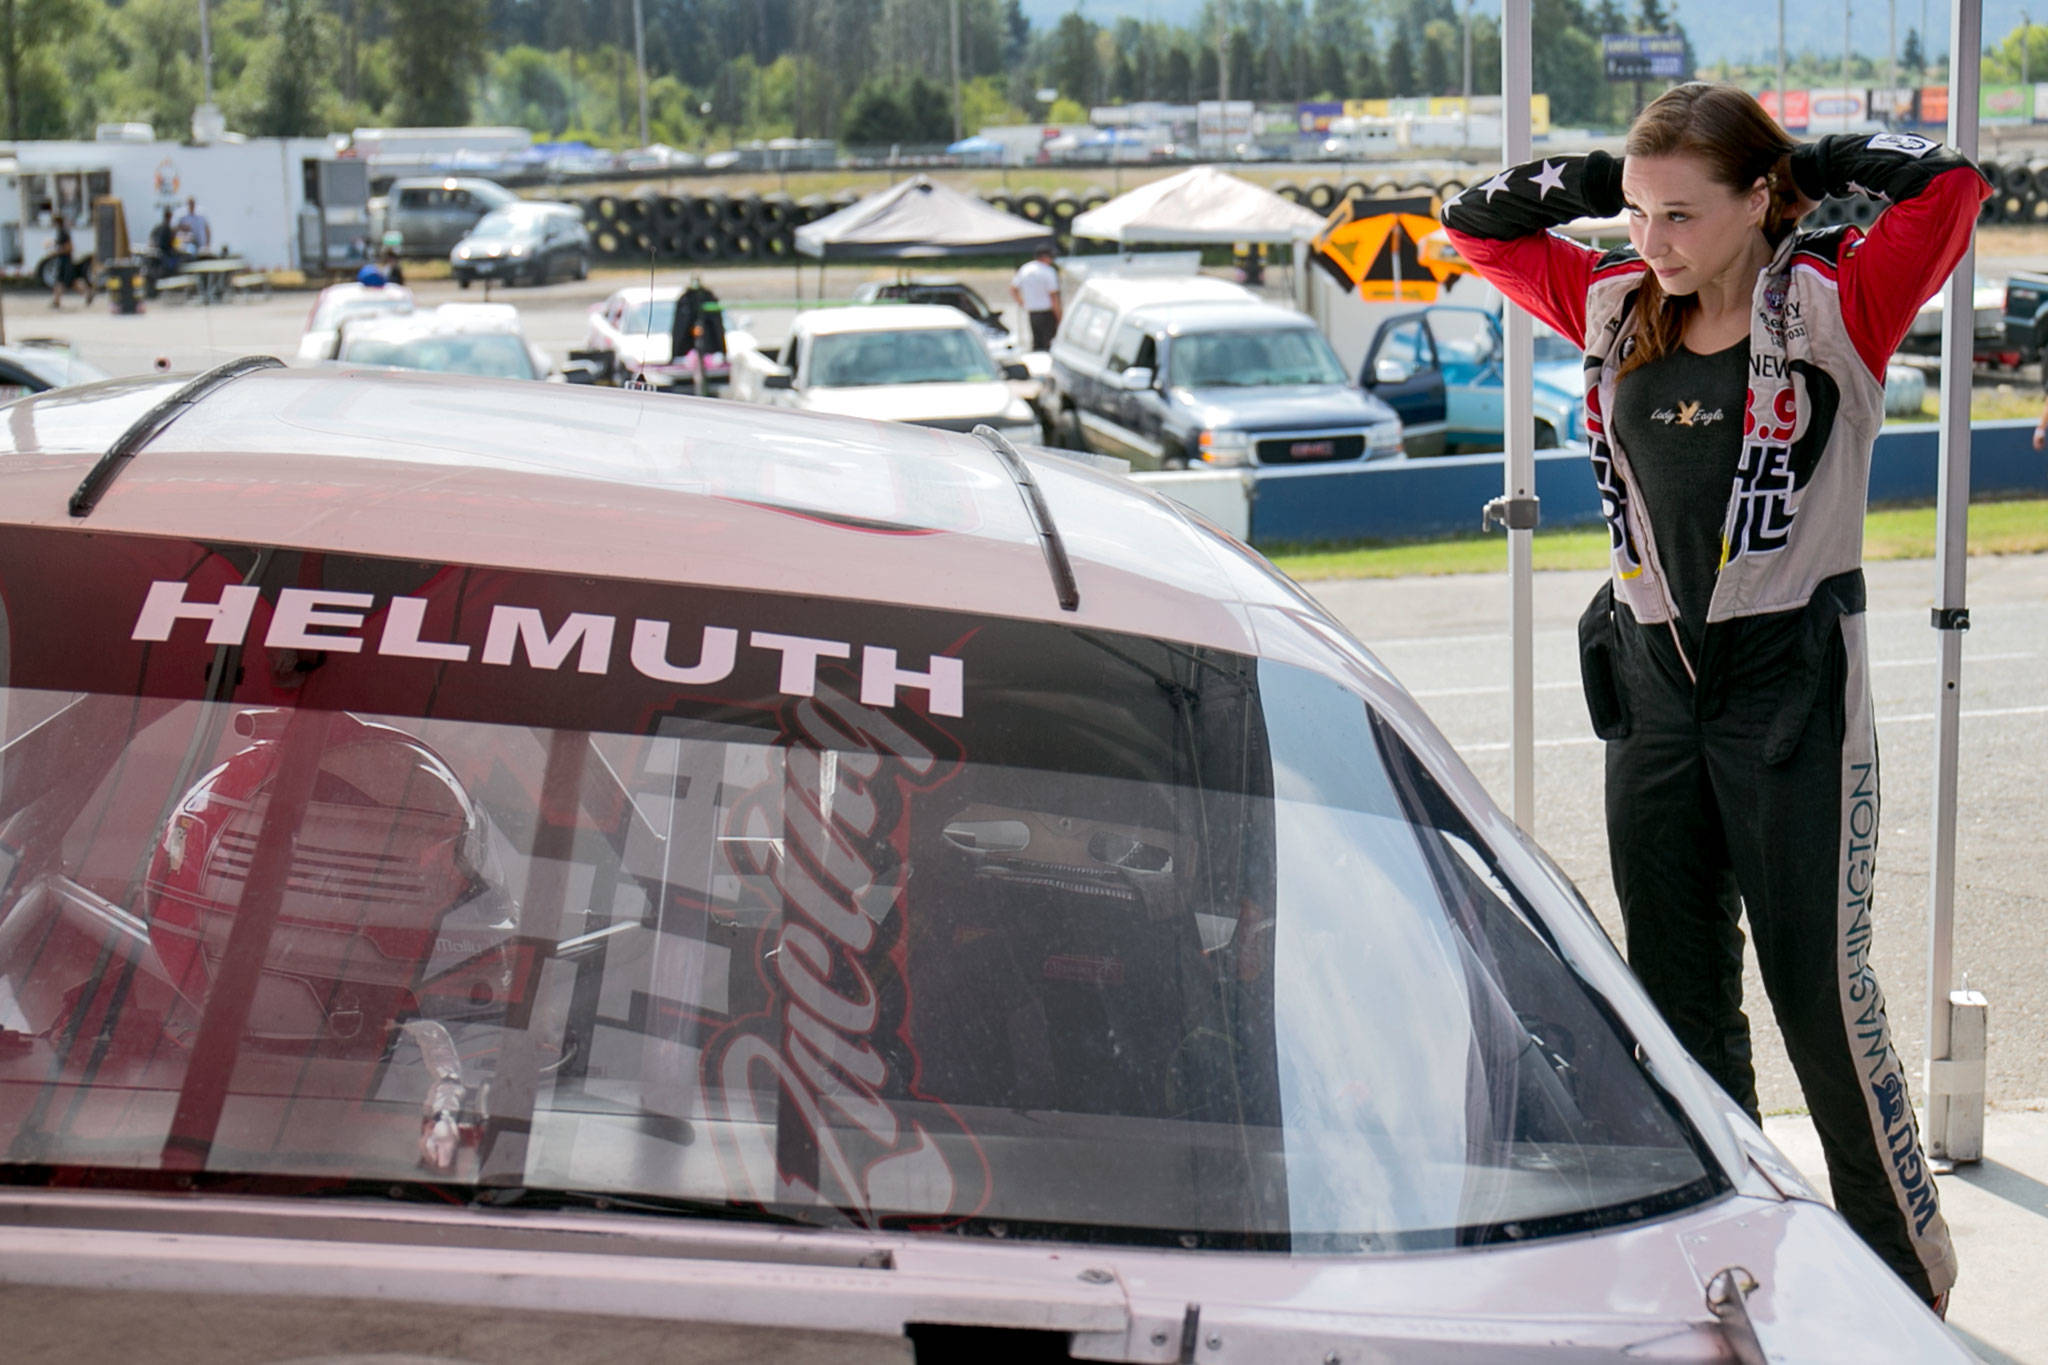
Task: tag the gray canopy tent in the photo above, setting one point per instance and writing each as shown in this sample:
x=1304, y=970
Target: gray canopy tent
x=920, y=219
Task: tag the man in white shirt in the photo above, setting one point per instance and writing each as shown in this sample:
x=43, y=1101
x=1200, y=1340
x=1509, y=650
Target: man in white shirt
x=1036, y=288
x=194, y=228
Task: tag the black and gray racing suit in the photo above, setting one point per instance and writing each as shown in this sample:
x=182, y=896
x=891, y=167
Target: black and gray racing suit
x=1742, y=759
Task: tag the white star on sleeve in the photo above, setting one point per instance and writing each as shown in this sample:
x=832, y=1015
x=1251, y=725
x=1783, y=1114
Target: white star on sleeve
x=1494, y=186
x=1550, y=178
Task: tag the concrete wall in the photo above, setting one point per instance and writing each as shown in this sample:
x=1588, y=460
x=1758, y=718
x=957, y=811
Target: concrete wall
x=1423, y=499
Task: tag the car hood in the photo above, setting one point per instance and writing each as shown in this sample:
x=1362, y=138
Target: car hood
x=949, y=403
x=1565, y=376
x=1291, y=406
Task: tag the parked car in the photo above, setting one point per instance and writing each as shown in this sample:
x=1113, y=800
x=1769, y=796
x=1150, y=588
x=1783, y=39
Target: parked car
x=338, y=303
x=915, y=363
x=631, y=332
x=1168, y=373
x=1440, y=368
x=33, y=367
x=483, y=339
x=524, y=243
x=2023, y=319
x=580, y=871
x=432, y=213
x=947, y=294
x=1988, y=332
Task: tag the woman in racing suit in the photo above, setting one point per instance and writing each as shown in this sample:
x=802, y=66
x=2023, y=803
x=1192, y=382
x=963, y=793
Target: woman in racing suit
x=1734, y=384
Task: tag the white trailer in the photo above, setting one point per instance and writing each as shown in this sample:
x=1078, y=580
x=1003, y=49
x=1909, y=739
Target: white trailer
x=251, y=191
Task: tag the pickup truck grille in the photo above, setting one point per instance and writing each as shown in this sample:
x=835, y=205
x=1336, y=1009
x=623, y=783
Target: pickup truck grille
x=1310, y=449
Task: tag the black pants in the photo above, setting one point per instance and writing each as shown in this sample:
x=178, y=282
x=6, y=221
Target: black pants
x=1755, y=791
x=1043, y=325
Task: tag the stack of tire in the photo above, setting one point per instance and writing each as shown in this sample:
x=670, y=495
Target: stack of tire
x=698, y=229
x=744, y=226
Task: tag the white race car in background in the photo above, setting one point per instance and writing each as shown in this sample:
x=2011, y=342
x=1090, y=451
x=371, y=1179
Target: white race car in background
x=339, y=303
x=632, y=329
x=924, y=364
x=482, y=339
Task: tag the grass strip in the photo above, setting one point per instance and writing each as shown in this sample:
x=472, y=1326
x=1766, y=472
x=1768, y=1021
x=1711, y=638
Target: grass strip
x=1996, y=528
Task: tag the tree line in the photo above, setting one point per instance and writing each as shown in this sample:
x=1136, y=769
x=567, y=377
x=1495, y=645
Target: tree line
x=859, y=71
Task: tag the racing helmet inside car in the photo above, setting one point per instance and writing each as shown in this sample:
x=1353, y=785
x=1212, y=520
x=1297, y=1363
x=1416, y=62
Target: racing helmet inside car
x=390, y=907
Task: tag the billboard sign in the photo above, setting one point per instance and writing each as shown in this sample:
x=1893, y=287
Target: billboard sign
x=1633, y=57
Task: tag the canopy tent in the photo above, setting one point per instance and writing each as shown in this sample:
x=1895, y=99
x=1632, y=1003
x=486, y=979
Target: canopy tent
x=1199, y=205
x=1377, y=249
x=919, y=218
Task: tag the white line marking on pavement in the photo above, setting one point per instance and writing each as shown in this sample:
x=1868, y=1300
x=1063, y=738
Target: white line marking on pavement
x=1985, y=713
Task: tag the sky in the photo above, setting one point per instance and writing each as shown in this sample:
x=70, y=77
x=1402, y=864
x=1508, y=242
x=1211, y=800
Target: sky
x=1730, y=30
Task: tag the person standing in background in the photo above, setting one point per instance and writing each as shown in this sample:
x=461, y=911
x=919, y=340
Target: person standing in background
x=194, y=228
x=1036, y=288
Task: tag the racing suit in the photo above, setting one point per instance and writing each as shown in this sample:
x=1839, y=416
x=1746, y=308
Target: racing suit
x=1742, y=774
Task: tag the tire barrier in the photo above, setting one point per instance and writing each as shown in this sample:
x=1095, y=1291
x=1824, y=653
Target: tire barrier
x=702, y=229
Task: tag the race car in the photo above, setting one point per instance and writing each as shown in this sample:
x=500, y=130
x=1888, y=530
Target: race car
x=560, y=873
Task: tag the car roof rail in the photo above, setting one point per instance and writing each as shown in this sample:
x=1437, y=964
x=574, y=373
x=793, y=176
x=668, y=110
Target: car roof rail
x=145, y=429
x=1063, y=584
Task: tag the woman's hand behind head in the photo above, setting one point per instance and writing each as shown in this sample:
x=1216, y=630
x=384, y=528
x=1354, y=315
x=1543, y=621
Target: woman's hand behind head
x=1788, y=204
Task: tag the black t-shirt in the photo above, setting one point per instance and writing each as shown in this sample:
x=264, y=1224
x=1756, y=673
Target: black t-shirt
x=1680, y=420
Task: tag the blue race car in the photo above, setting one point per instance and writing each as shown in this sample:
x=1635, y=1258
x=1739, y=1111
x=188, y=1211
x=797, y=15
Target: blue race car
x=1440, y=369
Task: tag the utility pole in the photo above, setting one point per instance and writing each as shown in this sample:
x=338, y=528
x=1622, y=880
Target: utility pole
x=2026, y=48
x=205, y=54
x=1223, y=62
x=1783, y=117
x=1891, y=60
x=1845, y=64
x=640, y=67
x=1467, y=103
x=957, y=134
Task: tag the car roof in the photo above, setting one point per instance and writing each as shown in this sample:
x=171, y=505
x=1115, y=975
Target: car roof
x=479, y=319
x=893, y=317
x=1123, y=293
x=1180, y=319
x=622, y=484
x=640, y=293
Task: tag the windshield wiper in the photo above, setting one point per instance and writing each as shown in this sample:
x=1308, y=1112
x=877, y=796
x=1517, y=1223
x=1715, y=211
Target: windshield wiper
x=532, y=1197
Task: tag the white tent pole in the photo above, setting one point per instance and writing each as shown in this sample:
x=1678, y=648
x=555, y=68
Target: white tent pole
x=1954, y=1084
x=1520, y=465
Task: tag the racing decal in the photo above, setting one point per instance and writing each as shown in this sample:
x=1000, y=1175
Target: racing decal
x=1868, y=1031
x=522, y=636
x=1775, y=465
x=1614, y=502
x=819, y=1088
x=1906, y=144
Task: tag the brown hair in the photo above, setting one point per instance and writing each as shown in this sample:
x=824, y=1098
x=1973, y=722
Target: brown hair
x=1726, y=130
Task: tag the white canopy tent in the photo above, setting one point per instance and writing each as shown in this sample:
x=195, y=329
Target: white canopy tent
x=1953, y=1084
x=1199, y=205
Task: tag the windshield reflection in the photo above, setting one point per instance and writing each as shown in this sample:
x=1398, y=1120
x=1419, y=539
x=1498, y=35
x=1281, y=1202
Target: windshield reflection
x=1191, y=948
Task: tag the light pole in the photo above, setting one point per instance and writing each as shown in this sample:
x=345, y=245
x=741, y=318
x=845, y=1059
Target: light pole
x=1783, y=117
x=1466, y=104
x=957, y=134
x=1846, y=6
x=640, y=66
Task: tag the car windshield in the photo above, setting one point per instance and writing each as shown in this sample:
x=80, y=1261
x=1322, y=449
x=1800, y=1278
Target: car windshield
x=517, y=224
x=1254, y=358
x=926, y=355
x=320, y=873
x=492, y=355
x=658, y=317
x=57, y=368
